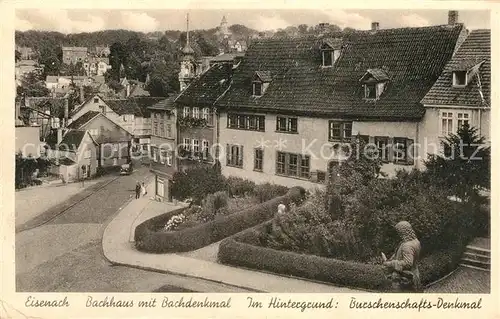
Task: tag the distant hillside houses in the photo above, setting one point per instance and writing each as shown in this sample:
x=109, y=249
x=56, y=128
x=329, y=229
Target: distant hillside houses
x=95, y=60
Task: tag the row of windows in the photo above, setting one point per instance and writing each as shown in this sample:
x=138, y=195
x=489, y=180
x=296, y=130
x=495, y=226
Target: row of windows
x=287, y=164
x=398, y=150
x=162, y=156
x=246, y=122
x=194, y=145
x=195, y=113
x=161, y=129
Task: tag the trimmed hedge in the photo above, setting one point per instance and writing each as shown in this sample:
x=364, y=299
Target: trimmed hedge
x=149, y=238
x=243, y=250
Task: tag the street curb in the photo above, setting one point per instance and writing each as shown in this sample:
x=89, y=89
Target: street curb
x=115, y=263
x=35, y=222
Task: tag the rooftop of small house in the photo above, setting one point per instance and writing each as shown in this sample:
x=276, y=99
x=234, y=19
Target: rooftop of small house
x=137, y=106
x=165, y=104
x=208, y=87
x=406, y=60
x=474, y=58
x=85, y=118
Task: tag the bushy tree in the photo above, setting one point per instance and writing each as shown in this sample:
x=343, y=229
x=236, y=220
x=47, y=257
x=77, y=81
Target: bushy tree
x=465, y=166
x=197, y=182
x=32, y=84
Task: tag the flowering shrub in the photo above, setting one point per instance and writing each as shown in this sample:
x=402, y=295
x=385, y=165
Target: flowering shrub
x=174, y=222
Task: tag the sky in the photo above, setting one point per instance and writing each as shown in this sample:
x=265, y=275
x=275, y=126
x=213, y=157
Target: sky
x=86, y=20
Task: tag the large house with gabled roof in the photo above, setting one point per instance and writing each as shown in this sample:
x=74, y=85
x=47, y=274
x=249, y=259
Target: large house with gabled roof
x=114, y=142
x=294, y=102
x=461, y=94
x=131, y=114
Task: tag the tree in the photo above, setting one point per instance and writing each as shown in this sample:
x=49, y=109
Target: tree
x=17, y=56
x=465, y=166
x=48, y=55
x=302, y=29
x=32, y=84
x=157, y=87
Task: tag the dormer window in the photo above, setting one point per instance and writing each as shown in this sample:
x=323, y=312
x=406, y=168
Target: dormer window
x=257, y=88
x=330, y=51
x=329, y=57
x=464, y=72
x=374, y=83
x=459, y=78
x=260, y=82
x=371, y=91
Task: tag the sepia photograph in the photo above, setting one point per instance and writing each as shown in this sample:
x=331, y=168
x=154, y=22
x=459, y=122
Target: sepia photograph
x=252, y=151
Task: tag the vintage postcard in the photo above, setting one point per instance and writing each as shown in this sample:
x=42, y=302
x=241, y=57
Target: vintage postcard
x=264, y=159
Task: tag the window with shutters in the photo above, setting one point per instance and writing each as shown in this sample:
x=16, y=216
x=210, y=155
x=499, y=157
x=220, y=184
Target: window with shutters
x=186, y=111
x=402, y=151
x=382, y=143
x=259, y=159
x=293, y=165
x=234, y=155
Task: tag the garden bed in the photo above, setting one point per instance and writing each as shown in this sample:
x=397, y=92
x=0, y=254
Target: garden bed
x=244, y=250
x=150, y=236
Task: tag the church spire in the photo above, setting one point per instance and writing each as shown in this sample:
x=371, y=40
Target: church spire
x=187, y=50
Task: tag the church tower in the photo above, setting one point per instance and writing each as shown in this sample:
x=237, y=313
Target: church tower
x=188, y=65
x=224, y=29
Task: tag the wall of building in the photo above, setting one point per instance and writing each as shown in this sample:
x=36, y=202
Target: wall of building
x=28, y=140
x=74, y=56
x=311, y=139
x=430, y=135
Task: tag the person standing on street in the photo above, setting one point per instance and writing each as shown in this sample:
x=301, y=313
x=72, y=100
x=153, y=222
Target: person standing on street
x=138, y=189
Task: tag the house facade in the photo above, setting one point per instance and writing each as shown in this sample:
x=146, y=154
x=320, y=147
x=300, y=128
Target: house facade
x=131, y=114
x=114, y=142
x=73, y=55
x=461, y=94
x=294, y=105
x=163, y=148
x=76, y=155
x=197, y=122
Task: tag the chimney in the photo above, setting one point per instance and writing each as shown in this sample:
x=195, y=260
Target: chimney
x=452, y=17
x=128, y=90
x=375, y=26
x=82, y=99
